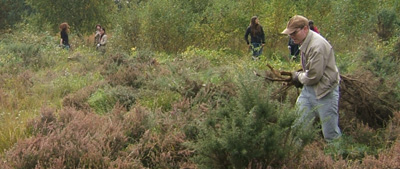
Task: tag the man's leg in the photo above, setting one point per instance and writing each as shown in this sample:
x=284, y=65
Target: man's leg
x=329, y=115
x=305, y=105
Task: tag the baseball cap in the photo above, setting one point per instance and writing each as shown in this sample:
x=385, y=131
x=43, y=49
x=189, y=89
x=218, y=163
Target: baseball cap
x=294, y=23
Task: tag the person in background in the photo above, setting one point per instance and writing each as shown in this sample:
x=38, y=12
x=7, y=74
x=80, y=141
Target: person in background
x=293, y=48
x=257, y=37
x=101, y=46
x=64, y=27
x=97, y=34
x=319, y=77
x=313, y=27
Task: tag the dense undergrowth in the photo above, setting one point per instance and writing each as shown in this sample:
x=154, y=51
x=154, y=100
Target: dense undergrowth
x=157, y=99
x=197, y=109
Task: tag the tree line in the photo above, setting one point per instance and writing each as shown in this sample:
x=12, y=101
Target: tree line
x=174, y=25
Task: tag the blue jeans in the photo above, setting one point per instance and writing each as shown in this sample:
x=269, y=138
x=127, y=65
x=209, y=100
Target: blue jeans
x=325, y=108
x=257, y=49
x=66, y=47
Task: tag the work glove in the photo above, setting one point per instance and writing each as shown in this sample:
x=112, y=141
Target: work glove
x=289, y=47
x=98, y=45
x=295, y=80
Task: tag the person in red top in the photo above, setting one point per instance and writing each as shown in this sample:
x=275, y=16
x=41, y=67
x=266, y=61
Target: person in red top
x=312, y=27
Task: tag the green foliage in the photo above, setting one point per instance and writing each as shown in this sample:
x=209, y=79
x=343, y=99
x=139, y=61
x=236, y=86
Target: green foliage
x=192, y=95
x=67, y=84
x=124, y=95
x=248, y=130
x=173, y=26
x=127, y=29
x=166, y=24
x=386, y=22
x=104, y=100
x=10, y=126
x=215, y=57
x=24, y=50
x=347, y=24
x=276, y=17
x=355, y=148
x=384, y=66
x=28, y=53
x=82, y=16
x=163, y=100
x=223, y=24
x=356, y=18
x=347, y=63
x=379, y=60
x=101, y=101
x=11, y=12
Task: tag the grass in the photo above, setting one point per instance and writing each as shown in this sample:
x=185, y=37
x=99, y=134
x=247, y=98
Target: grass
x=13, y=126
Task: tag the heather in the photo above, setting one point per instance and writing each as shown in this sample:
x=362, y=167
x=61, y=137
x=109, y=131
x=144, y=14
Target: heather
x=176, y=88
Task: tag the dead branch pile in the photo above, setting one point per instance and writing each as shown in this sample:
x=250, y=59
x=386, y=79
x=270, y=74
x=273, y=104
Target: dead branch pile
x=278, y=76
x=358, y=99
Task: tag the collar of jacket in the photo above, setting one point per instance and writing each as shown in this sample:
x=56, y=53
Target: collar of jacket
x=306, y=41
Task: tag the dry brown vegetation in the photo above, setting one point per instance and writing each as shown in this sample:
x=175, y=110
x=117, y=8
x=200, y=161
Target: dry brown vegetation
x=86, y=140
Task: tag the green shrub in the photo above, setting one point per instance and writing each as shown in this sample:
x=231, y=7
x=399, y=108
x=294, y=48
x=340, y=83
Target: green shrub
x=81, y=15
x=78, y=100
x=248, y=130
x=377, y=60
x=119, y=69
x=349, y=148
x=12, y=12
x=127, y=30
x=203, y=57
x=162, y=99
x=101, y=101
x=347, y=62
x=21, y=55
x=386, y=23
x=173, y=19
x=124, y=95
x=384, y=66
x=104, y=99
x=67, y=84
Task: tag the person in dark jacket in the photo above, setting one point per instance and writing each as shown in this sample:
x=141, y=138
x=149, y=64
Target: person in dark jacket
x=64, y=42
x=293, y=48
x=64, y=27
x=257, y=37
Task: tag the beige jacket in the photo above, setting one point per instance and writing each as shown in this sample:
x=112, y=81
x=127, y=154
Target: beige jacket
x=319, y=65
x=103, y=40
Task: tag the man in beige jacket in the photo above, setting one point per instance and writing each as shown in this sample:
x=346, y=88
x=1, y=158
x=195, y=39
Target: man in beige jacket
x=319, y=77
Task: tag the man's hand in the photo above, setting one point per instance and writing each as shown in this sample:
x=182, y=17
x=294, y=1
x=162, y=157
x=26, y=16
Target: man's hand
x=295, y=80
